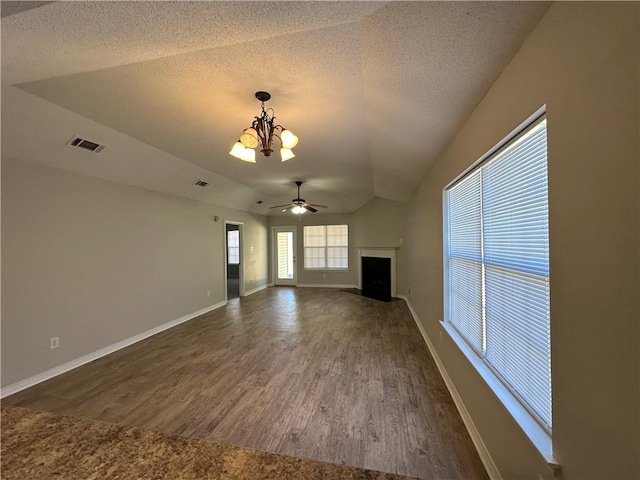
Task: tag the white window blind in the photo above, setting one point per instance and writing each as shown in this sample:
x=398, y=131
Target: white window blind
x=233, y=247
x=326, y=246
x=465, y=260
x=497, y=266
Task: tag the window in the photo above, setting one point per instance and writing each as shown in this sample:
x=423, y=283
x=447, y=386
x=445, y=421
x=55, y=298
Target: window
x=326, y=247
x=233, y=247
x=497, y=266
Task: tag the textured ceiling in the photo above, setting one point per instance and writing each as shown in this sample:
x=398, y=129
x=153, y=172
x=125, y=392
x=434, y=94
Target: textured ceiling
x=374, y=90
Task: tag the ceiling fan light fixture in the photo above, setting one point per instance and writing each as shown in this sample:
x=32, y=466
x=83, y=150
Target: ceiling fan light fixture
x=298, y=210
x=298, y=205
x=289, y=140
x=261, y=133
x=286, y=154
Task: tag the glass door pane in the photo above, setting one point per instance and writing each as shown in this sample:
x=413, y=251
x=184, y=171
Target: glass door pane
x=285, y=255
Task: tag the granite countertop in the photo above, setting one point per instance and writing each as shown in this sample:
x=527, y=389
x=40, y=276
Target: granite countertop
x=42, y=445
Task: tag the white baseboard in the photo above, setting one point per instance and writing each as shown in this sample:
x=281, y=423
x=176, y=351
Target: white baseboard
x=90, y=357
x=254, y=290
x=324, y=285
x=483, y=452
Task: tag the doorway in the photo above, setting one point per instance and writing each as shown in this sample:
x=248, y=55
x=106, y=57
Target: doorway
x=284, y=255
x=233, y=259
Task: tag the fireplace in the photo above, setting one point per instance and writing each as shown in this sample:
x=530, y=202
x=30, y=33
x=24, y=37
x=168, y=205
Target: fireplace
x=376, y=278
x=377, y=272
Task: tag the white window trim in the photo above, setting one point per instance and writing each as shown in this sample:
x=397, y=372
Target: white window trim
x=536, y=434
x=539, y=437
x=519, y=130
x=326, y=269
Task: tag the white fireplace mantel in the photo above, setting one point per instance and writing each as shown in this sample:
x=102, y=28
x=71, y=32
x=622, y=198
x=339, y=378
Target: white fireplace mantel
x=379, y=252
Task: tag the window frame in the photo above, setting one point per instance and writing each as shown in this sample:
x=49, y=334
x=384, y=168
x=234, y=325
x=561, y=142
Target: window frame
x=325, y=247
x=538, y=433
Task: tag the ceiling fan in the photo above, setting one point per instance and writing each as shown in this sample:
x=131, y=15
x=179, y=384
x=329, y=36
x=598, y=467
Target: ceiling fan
x=298, y=205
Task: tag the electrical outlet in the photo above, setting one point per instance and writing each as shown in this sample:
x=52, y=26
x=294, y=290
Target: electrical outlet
x=208, y=293
x=440, y=336
x=409, y=290
x=324, y=275
x=54, y=342
x=400, y=241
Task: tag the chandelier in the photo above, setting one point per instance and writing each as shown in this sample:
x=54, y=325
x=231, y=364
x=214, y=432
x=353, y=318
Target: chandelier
x=261, y=134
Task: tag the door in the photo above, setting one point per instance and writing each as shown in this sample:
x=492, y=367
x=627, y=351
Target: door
x=233, y=259
x=284, y=255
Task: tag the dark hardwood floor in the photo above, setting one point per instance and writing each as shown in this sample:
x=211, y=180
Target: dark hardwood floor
x=313, y=373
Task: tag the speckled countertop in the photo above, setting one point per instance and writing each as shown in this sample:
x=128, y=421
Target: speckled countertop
x=40, y=445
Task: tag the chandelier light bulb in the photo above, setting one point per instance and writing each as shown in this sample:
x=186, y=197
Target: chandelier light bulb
x=289, y=140
x=249, y=138
x=237, y=150
x=286, y=154
x=249, y=155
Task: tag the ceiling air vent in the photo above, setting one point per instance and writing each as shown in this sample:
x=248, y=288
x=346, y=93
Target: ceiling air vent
x=86, y=144
x=201, y=183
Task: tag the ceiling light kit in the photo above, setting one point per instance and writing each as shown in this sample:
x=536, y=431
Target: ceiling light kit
x=299, y=205
x=261, y=134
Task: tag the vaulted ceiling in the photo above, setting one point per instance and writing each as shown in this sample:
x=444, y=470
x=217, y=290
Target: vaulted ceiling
x=374, y=90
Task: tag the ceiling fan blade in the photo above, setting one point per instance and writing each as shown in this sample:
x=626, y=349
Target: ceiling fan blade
x=287, y=209
x=316, y=205
x=280, y=206
x=309, y=207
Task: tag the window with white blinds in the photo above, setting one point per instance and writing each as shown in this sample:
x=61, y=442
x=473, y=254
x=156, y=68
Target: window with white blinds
x=326, y=247
x=497, y=266
x=233, y=247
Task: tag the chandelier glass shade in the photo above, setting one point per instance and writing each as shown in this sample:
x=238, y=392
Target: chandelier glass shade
x=260, y=135
x=243, y=153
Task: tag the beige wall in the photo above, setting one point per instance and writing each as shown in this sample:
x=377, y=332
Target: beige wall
x=94, y=263
x=382, y=223
x=379, y=223
x=582, y=62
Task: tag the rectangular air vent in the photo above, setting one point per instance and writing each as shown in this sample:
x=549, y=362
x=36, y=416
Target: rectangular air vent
x=202, y=183
x=86, y=144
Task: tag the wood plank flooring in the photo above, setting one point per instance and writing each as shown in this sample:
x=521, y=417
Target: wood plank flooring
x=312, y=373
